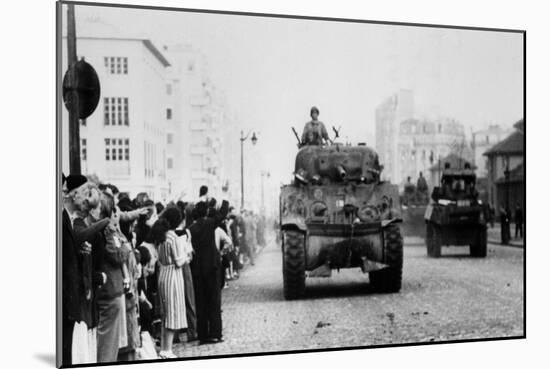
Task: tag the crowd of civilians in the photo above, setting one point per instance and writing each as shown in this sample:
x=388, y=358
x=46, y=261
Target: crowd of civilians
x=136, y=274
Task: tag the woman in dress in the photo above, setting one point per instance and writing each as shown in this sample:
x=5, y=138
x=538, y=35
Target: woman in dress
x=170, y=279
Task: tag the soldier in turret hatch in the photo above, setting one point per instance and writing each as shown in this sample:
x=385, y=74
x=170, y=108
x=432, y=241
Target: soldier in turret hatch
x=315, y=132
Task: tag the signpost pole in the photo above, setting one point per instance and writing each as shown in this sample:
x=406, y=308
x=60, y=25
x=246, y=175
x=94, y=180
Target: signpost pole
x=74, y=124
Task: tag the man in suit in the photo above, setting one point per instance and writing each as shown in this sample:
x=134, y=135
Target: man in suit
x=205, y=266
x=71, y=272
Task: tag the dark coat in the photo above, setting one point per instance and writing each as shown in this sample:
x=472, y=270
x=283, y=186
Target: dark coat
x=207, y=257
x=518, y=216
x=109, y=260
x=71, y=274
x=90, y=275
x=234, y=229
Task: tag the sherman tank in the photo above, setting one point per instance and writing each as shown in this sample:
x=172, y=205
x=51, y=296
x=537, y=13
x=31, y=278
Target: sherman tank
x=337, y=213
x=455, y=216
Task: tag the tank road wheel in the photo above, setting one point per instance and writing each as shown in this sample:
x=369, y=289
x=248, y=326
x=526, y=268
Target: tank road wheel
x=294, y=264
x=479, y=249
x=389, y=279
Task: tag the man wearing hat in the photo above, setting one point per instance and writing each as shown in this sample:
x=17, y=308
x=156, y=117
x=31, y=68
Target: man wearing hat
x=71, y=273
x=315, y=132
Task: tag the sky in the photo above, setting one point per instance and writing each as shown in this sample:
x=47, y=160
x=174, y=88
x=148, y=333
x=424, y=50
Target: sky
x=273, y=70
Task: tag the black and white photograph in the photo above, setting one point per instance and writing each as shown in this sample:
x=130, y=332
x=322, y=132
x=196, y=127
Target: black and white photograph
x=239, y=184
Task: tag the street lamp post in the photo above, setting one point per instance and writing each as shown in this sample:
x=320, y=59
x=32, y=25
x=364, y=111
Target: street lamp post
x=243, y=138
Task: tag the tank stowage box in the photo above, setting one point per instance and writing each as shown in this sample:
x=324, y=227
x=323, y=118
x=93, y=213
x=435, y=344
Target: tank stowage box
x=337, y=214
x=455, y=216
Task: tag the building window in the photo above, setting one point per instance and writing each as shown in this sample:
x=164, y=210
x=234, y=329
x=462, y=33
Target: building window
x=190, y=66
x=168, y=113
x=106, y=109
x=116, y=111
x=169, y=89
x=117, y=149
x=169, y=138
x=83, y=149
x=487, y=139
x=119, y=110
x=116, y=65
x=126, y=116
x=170, y=163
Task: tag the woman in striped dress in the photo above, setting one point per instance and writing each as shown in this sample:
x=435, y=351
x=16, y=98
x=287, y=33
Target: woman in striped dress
x=170, y=279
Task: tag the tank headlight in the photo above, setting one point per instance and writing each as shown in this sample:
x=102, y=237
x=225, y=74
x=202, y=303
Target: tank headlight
x=318, y=209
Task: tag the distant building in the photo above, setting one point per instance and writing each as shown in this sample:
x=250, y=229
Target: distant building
x=199, y=122
x=421, y=143
x=124, y=141
x=389, y=114
x=482, y=141
x=506, y=170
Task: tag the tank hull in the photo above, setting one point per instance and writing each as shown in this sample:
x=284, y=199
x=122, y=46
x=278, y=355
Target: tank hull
x=337, y=239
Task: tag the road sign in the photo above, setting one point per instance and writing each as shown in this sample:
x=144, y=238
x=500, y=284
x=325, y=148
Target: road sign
x=81, y=78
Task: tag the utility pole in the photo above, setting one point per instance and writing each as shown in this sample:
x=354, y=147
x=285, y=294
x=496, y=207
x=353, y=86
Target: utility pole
x=74, y=124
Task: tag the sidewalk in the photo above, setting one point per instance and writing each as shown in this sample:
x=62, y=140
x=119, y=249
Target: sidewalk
x=493, y=236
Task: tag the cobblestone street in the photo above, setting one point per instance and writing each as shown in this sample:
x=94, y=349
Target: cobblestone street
x=454, y=297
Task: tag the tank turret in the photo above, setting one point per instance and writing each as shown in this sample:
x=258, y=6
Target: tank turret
x=337, y=163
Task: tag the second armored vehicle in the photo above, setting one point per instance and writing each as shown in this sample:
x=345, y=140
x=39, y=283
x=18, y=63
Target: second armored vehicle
x=455, y=216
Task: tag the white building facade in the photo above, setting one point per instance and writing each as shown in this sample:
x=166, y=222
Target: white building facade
x=388, y=116
x=196, y=141
x=124, y=141
x=421, y=143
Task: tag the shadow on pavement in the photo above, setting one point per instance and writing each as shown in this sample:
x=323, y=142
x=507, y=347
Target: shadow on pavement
x=46, y=358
